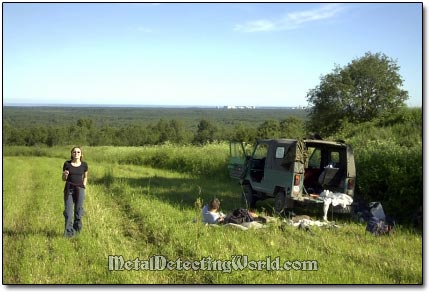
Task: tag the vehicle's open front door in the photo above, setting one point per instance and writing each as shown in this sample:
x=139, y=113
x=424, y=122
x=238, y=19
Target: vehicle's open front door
x=237, y=160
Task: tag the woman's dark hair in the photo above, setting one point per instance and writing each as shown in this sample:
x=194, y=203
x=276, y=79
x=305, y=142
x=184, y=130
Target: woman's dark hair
x=214, y=204
x=81, y=152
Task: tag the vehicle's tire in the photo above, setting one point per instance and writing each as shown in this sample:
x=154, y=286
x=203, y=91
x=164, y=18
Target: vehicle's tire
x=248, y=199
x=280, y=202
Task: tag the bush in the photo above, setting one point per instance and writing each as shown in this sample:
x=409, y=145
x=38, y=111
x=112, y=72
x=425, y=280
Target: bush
x=389, y=161
x=392, y=174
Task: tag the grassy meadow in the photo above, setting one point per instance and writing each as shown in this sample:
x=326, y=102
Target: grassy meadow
x=138, y=207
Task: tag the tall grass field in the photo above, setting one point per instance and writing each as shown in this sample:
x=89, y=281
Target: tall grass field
x=144, y=203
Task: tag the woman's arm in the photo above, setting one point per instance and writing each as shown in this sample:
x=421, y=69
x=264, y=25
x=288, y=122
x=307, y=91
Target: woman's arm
x=65, y=175
x=85, y=178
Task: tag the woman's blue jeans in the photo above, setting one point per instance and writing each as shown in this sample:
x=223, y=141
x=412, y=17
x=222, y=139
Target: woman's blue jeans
x=73, y=212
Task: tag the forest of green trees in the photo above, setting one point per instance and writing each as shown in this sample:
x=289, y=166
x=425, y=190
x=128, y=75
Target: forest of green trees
x=29, y=126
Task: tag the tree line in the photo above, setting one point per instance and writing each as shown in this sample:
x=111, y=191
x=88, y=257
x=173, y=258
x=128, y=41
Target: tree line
x=85, y=132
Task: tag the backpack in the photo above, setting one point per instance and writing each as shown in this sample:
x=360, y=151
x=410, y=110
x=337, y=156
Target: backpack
x=363, y=212
x=238, y=216
x=379, y=226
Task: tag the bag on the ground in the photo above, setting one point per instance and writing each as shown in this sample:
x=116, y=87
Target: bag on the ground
x=379, y=226
x=376, y=210
x=238, y=216
x=363, y=212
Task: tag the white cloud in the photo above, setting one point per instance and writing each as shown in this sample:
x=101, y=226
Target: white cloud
x=291, y=20
x=258, y=25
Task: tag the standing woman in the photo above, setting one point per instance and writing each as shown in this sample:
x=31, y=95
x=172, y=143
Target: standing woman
x=75, y=174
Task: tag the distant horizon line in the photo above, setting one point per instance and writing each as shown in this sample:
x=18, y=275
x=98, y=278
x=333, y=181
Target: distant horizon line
x=25, y=104
x=47, y=104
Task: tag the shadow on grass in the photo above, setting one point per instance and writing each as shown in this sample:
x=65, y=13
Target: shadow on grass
x=179, y=192
x=19, y=232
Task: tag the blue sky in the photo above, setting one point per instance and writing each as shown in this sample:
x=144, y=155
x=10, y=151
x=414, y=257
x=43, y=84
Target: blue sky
x=261, y=54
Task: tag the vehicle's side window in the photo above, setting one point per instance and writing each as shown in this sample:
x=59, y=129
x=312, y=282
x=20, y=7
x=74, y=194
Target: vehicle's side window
x=261, y=151
x=280, y=152
x=315, y=155
x=334, y=159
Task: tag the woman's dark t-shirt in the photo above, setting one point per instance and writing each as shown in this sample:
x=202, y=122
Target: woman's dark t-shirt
x=75, y=172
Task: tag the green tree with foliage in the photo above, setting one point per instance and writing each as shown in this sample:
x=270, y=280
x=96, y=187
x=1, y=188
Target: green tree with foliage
x=206, y=132
x=367, y=88
x=178, y=134
x=292, y=127
x=7, y=133
x=163, y=130
x=85, y=123
x=242, y=133
x=269, y=129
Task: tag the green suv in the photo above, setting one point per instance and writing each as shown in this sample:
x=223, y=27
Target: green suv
x=291, y=170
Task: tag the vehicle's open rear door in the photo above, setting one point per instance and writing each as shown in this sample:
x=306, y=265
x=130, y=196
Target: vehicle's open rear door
x=237, y=160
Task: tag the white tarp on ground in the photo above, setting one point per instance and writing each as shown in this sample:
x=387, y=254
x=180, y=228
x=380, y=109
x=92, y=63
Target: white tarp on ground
x=335, y=199
x=307, y=222
x=242, y=226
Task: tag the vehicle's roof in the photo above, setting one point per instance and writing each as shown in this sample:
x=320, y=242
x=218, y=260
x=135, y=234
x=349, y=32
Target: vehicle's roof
x=278, y=140
x=325, y=142
x=311, y=141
